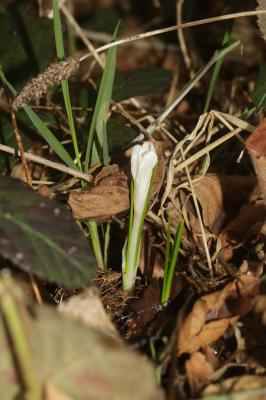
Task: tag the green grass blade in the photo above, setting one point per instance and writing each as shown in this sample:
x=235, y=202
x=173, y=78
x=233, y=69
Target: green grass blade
x=64, y=83
x=98, y=150
x=45, y=132
x=167, y=256
x=49, y=137
x=59, y=43
x=215, y=74
x=5, y=82
x=171, y=269
x=66, y=94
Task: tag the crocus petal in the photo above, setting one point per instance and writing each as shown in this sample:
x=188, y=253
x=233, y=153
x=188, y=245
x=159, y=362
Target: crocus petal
x=143, y=161
x=143, y=164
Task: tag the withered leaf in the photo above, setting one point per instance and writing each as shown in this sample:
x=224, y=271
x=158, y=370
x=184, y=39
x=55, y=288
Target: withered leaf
x=256, y=145
x=110, y=197
x=220, y=197
x=198, y=371
x=212, y=314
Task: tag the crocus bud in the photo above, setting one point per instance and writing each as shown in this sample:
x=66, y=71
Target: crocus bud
x=143, y=161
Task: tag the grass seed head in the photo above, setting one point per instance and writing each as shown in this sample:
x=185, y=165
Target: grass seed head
x=51, y=77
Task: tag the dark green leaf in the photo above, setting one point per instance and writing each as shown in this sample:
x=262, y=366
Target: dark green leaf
x=26, y=44
x=140, y=82
x=40, y=235
x=259, y=93
x=119, y=136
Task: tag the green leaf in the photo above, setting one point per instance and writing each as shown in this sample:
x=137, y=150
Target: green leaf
x=140, y=82
x=40, y=235
x=26, y=43
x=60, y=51
x=58, y=31
x=98, y=144
x=81, y=363
x=49, y=137
x=119, y=136
x=259, y=93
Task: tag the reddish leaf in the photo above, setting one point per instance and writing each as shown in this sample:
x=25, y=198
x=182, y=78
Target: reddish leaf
x=40, y=235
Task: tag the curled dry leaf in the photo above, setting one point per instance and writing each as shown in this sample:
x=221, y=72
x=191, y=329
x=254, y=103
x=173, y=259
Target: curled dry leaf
x=248, y=224
x=220, y=197
x=213, y=313
x=260, y=307
x=198, y=371
x=256, y=145
x=110, y=197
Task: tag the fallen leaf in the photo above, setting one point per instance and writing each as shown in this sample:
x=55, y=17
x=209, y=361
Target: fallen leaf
x=220, y=197
x=256, y=145
x=110, y=197
x=213, y=313
x=198, y=371
x=248, y=224
x=260, y=307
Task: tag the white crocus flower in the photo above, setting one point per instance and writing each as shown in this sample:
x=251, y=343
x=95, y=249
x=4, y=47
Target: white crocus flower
x=143, y=161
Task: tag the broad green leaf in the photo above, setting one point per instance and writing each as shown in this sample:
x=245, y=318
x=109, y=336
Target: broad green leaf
x=40, y=235
x=140, y=82
x=119, y=136
x=81, y=363
x=26, y=43
x=259, y=93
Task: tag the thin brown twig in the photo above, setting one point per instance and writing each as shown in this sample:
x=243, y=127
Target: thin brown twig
x=21, y=148
x=185, y=25
x=181, y=38
x=48, y=163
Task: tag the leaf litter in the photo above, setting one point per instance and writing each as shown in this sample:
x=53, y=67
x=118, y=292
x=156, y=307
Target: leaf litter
x=205, y=341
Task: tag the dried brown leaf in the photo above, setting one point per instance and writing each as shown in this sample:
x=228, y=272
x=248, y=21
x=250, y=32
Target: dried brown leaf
x=212, y=314
x=110, y=197
x=256, y=145
x=260, y=307
x=220, y=197
x=198, y=371
x=249, y=223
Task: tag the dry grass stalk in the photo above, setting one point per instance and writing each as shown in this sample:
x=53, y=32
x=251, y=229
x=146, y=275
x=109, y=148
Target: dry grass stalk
x=50, y=77
x=21, y=149
x=48, y=163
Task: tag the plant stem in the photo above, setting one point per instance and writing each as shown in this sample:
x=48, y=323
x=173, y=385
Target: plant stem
x=95, y=240
x=18, y=338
